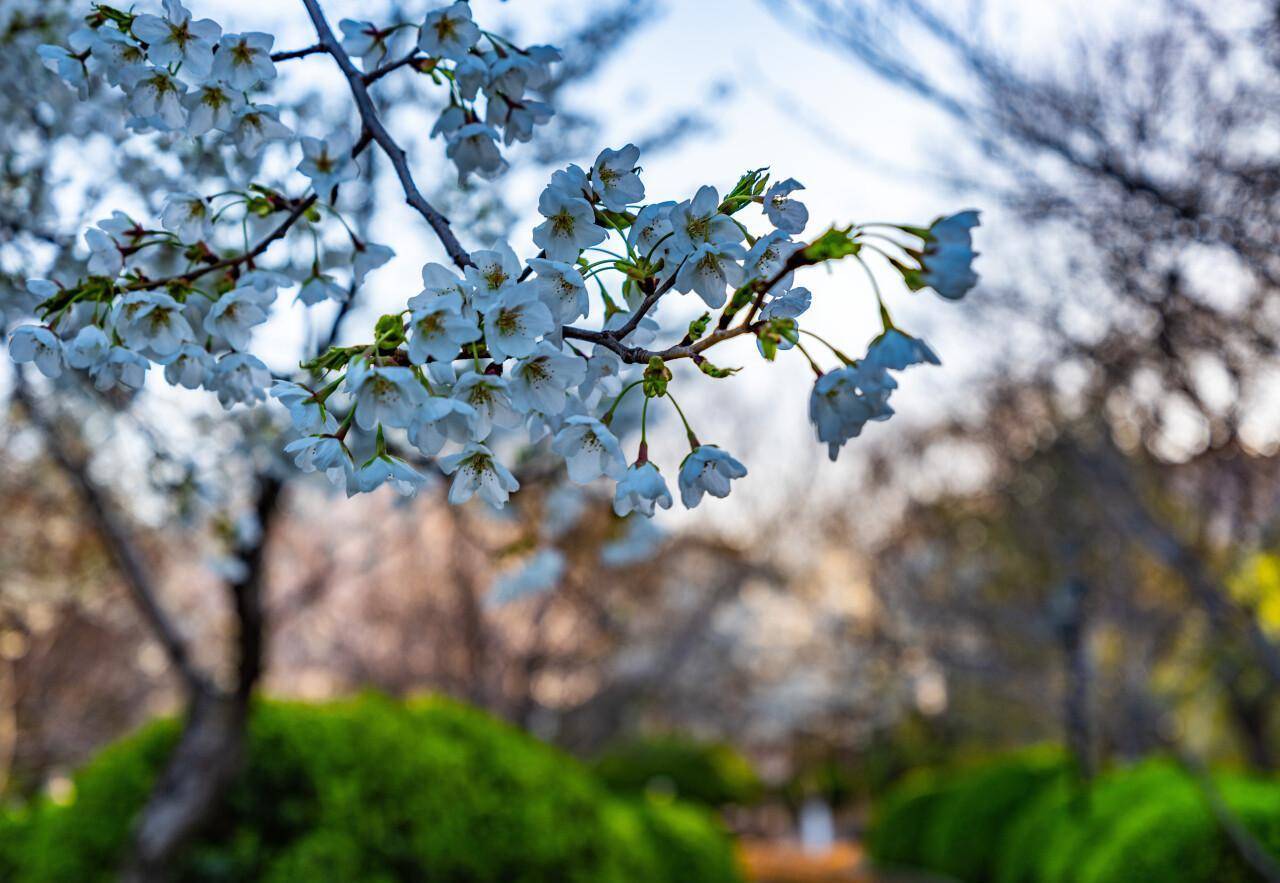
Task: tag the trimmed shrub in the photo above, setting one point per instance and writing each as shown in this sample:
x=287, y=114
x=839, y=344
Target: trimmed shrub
x=372, y=790
x=1023, y=846
x=1175, y=836
x=904, y=818
x=709, y=773
x=967, y=829
x=1023, y=820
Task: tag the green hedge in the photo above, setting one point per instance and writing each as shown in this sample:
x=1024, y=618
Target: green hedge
x=953, y=824
x=1022, y=819
x=708, y=773
x=372, y=790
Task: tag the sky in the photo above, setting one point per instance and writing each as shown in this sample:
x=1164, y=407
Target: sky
x=864, y=150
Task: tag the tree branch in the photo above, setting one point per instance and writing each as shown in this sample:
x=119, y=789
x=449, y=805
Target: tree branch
x=118, y=541
x=299, y=209
x=399, y=161
x=377, y=74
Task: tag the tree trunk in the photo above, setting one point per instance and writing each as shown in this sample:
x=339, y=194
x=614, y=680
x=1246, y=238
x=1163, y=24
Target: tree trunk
x=203, y=764
x=209, y=753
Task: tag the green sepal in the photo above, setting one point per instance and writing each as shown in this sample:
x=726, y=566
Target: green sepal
x=389, y=332
x=102, y=13
x=334, y=358
x=698, y=327
x=712, y=371
x=656, y=377
x=617, y=220
x=748, y=188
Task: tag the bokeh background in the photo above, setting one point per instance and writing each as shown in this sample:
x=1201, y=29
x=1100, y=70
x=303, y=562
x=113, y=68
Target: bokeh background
x=1028, y=630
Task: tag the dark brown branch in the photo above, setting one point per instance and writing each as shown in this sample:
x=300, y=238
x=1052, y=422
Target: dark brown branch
x=373, y=125
x=395, y=153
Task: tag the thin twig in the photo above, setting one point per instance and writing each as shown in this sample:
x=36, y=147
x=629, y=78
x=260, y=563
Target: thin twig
x=378, y=73
x=297, y=53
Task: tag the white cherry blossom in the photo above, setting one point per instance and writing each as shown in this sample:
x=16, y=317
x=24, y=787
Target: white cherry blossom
x=589, y=450
x=641, y=488
x=476, y=470
x=569, y=226
x=387, y=394
x=707, y=469
x=541, y=381
x=783, y=212
x=438, y=327
x=174, y=39
x=514, y=324
x=37, y=344
x=614, y=178
x=449, y=32
x=244, y=60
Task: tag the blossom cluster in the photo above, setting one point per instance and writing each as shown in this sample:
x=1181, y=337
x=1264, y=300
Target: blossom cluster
x=184, y=75
x=493, y=347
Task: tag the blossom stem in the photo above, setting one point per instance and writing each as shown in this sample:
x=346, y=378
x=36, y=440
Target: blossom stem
x=812, y=364
x=606, y=251
x=694, y=444
x=622, y=233
x=608, y=417
x=822, y=340
x=864, y=235
x=656, y=244
x=875, y=286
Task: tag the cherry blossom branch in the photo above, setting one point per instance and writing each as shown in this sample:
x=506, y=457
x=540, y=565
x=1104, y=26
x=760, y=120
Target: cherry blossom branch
x=299, y=209
x=639, y=355
x=641, y=311
x=395, y=153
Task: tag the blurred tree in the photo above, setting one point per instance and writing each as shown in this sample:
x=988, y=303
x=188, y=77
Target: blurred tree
x=1126, y=414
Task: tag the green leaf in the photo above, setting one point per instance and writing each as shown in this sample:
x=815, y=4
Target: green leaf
x=836, y=243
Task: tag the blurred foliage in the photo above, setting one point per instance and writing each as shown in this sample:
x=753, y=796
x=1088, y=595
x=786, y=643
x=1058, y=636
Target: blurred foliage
x=373, y=790
x=933, y=820
x=709, y=773
x=1025, y=819
x=1256, y=582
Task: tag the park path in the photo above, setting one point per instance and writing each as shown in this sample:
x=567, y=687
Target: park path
x=767, y=861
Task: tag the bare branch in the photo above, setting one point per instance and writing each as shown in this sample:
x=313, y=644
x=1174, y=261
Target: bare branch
x=297, y=53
